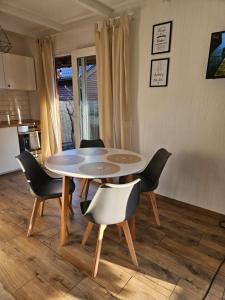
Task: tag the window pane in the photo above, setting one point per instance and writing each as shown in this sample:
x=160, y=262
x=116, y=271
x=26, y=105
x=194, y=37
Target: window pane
x=65, y=92
x=88, y=97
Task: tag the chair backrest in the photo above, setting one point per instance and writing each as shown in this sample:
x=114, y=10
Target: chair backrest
x=92, y=143
x=156, y=165
x=114, y=203
x=34, y=173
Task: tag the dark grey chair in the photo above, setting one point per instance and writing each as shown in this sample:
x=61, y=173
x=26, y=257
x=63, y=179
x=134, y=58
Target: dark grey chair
x=150, y=178
x=113, y=204
x=42, y=186
x=98, y=143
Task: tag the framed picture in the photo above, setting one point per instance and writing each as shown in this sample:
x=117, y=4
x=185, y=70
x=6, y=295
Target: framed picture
x=159, y=72
x=161, y=37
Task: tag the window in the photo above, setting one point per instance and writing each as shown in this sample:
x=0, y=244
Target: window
x=88, y=97
x=85, y=91
x=65, y=91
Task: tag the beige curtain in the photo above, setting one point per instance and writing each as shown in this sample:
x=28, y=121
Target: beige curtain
x=113, y=72
x=49, y=102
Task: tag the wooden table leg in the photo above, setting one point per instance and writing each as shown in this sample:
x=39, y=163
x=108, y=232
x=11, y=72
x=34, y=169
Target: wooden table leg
x=64, y=211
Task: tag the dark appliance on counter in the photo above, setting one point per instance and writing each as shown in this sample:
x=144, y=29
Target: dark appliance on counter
x=29, y=135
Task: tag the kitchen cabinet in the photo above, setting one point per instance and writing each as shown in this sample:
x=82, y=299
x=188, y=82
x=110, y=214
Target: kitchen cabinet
x=9, y=149
x=19, y=72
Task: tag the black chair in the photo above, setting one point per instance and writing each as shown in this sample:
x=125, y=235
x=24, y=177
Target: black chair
x=98, y=143
x=150, y=178
x=113, y=204
x=42, y=186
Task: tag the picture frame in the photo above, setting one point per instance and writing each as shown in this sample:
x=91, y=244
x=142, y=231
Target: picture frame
x=215, y=68
x=161, y=37
x=159, y=72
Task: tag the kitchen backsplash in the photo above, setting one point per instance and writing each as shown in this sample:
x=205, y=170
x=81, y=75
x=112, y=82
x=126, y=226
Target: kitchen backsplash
x=10, y=101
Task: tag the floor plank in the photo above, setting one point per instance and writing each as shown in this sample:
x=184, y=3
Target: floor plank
x=176, y=260
x=139, y=287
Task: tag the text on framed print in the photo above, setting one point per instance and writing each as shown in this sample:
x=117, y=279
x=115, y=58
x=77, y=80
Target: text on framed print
x=159, y=72
x=161, y=37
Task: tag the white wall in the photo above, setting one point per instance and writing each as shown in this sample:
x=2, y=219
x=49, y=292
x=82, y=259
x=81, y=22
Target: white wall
x=188, y=116
x=19, y=43
x=34, y=96
x=80, y=37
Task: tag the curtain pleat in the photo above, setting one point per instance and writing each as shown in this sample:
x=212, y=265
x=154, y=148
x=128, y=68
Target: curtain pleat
x=113, y=73
x=104, y=74
x=49, y=102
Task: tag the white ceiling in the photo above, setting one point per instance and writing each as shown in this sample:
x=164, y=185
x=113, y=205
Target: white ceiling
x=34, y=18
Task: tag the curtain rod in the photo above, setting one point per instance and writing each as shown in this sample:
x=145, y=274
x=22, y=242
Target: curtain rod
x=130, y=14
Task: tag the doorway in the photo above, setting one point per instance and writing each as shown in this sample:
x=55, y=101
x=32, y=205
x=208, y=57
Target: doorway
x=85, y=93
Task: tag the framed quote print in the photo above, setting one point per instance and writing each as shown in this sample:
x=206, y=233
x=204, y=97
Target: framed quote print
x=159, y=72
x=161, y=37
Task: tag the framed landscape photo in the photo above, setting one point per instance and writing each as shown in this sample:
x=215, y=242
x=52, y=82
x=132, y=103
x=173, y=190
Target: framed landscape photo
x=161, y=37
x=159, y=72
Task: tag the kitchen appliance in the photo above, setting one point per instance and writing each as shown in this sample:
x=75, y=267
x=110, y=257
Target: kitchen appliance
x=29, y=135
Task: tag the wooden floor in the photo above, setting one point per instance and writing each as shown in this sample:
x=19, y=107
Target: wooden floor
x=176, y=261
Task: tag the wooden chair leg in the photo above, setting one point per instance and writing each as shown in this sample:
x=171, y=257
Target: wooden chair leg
x=33, y=215
x=152, y=200
x=60, y=207
x=82, y=186
x=86, y=188
x=70, y=205
x=41, y=211
x=130, y=244
x=133, y=227
x=98, y=248
x=60, y=203
x=87, y=232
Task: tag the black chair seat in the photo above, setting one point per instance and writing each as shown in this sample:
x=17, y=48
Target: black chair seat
x=146, y=185
x=84, y=206
x=42, y=185
x=150, y=176
x=98, y=143
x=51, y=189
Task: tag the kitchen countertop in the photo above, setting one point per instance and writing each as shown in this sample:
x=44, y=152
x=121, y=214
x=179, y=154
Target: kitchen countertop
x=4, y=124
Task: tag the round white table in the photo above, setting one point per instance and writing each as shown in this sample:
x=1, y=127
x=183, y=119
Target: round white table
x=91, y=163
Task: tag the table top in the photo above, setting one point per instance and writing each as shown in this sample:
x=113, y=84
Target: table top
x=96, y=163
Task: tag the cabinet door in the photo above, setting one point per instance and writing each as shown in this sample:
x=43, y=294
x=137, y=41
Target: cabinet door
x=19, y=72
x=9, y=149
x=2, y=77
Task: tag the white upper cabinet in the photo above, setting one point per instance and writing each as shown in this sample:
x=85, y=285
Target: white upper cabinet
x=2, y=77
x=18, y=72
